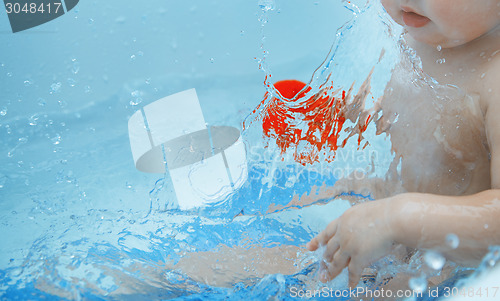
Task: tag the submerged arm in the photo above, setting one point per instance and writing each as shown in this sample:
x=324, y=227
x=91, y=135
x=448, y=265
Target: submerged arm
x=425, y=220
x=367, y=232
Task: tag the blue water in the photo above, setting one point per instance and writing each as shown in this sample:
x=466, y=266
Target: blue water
x=78, y=221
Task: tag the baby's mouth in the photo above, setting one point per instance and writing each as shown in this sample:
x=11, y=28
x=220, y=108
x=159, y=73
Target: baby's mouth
x=414, y=20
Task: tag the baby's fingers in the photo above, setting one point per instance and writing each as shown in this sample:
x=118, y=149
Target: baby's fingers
x=322, y=238
x=340, y=261
x=355, y=271
x=331, y=248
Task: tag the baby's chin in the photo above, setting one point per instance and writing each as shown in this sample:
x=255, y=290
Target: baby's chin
x=435, y=39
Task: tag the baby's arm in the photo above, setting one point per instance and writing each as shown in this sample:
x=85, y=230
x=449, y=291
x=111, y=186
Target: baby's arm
x=366, y=232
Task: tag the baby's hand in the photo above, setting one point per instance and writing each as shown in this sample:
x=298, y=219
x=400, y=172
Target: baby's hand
x=359, y=237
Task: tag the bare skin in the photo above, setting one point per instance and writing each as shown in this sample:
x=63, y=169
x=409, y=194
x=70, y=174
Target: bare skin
x=453, y=180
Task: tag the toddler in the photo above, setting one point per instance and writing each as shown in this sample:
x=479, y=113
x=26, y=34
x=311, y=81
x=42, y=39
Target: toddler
x=453, y=182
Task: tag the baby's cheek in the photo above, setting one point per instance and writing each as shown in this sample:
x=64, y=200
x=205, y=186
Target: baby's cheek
x=393, y=9
x=461, y=19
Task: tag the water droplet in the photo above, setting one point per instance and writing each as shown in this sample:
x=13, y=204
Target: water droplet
x=76, y=66
x=41, y=102
x=34, y=119
x=439, y=47
x=434, y=260
x=418, y=284
x=148, y=81
x=491, y=262
x=9, y=74
x=3, y=112
x=71, y=82
x=486, y=226
x=137, y=97
x=132, y=57
x=62, y=103
x=87, y=89
x=483, y=75
x=55, y=87
x=242, y=33
x=212, y=60
x=441, y=61
x=3, y=180
x=56, y=140
x=452, y=240
x=140, y=53
x=91, y=21
x=266, y=5
x=27, y=83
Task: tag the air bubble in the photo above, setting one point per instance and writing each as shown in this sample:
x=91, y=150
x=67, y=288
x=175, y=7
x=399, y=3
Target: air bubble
x=212, y=60
x=9, y=74
x=3, y=112
x=441, y=61
x=439, y=48
x=87, y=89
x=434, y=260
x=452, y=240
x=91, y=21
x=27, y=83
